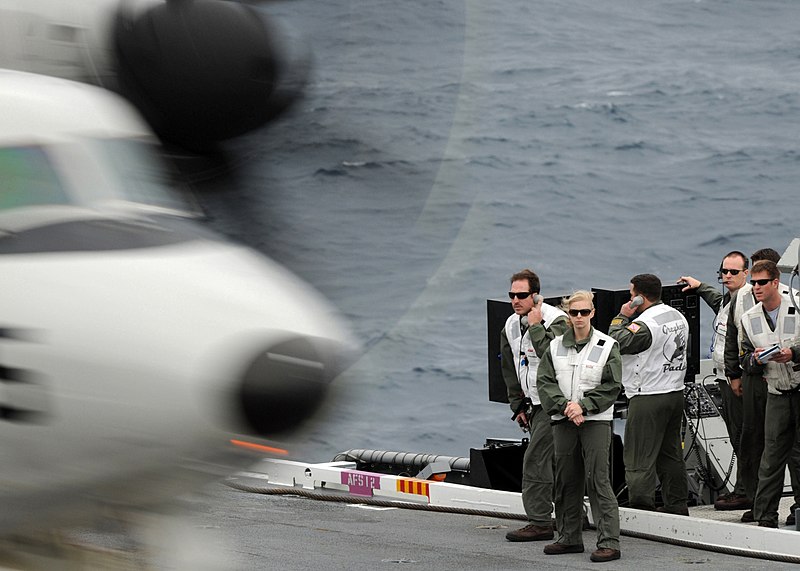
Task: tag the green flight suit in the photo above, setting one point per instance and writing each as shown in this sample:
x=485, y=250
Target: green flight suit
x=537, y=462
x=582, y=452
x=754, y=406
x=781, y=436
x=653, y=446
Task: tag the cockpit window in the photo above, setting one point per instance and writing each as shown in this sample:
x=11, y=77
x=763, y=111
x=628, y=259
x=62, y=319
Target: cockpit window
x=27, y=178
x=142, y=175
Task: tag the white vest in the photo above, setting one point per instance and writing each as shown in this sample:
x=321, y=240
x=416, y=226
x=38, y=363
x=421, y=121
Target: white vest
x=521, y=346
x=718, y=346
x=780, y=376
x=744, y=302
x=577, y=373
x=662, y=367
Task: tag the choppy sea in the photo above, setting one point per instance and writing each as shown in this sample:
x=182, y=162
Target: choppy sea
x=444, y=144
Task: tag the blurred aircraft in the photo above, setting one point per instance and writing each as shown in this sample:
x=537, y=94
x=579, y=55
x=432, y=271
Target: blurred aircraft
x=199, y=71
x=134, y=343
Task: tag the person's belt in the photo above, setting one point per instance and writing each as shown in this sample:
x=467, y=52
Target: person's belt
x=788, y=391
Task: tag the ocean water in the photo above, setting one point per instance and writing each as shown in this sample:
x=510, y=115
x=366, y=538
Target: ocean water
x=444, y=145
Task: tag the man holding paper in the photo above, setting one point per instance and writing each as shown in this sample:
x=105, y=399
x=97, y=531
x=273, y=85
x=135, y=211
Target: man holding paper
x=770, y=343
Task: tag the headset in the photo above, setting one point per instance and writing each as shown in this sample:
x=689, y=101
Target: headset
x=729, y=254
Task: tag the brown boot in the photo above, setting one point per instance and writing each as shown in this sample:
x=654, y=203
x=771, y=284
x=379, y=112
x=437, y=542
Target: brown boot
x=531, y=532
x=562, y=548
x=603, y=554
x=733, y=502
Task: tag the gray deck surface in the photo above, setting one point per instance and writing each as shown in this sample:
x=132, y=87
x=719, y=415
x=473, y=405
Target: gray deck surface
x=296, y=533
x=224, y=529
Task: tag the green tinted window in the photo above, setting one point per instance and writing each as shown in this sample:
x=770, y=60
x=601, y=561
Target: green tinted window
x=27, y=179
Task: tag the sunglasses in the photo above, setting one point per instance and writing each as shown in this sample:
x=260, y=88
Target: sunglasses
x=583, y=312
x=519, y=294
x=763, y=282
x=731, y=272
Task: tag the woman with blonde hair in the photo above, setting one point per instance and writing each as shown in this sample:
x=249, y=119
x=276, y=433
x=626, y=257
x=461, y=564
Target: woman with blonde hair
x=579, y=378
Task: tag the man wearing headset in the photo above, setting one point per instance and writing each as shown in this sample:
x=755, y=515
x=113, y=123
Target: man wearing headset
x=523, y=340
x=732, y=274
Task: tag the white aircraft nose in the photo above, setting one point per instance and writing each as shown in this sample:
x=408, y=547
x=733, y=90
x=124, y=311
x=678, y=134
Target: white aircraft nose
x=200, y=334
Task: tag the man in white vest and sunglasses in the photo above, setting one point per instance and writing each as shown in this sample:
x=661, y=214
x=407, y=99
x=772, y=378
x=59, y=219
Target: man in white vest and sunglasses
x=732, y=274
x=524, y=338
x=754, y=396
x=770, y=343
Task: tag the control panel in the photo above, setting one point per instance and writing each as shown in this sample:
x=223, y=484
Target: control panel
x=702, y=401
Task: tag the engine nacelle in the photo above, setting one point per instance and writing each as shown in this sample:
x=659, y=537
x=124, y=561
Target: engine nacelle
x=201, y=71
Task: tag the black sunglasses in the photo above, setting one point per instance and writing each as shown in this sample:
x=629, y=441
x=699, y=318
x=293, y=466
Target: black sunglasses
x=575, y=312
x=731, y=272
x=519, y=294
x=763, y=282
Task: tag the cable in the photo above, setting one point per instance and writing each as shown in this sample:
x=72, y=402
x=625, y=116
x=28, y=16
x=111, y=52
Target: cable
x=704, y=471
x=524, y=357
x=795, y=272
x=792, y=294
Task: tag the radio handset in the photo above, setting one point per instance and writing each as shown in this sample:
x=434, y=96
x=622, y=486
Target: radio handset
x=636, y=301
x=537, y=299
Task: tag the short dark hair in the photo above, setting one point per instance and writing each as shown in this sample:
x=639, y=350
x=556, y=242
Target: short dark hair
x=765, y=254
x=648, y=285
x=530, y=275
x=738, y=254
x=768, y=267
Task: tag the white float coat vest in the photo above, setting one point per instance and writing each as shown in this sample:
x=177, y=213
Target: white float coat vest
x=720, y=328
x=578, y=373
x=744, y=302
x=661, y=368
x=521, y=346
x=780, y=376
